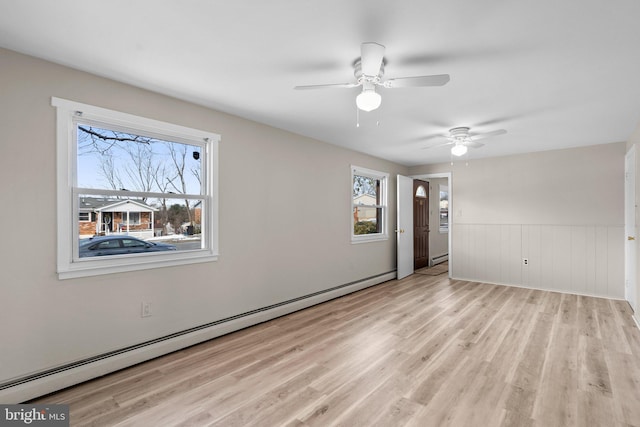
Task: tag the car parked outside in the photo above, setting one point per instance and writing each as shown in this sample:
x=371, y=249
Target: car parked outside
x=119, y=245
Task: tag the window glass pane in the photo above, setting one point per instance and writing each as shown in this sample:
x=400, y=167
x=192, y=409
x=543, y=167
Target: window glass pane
x=366, y=220
x=366, y=190
x=421, y=192
x=120, y=161
x=109, y=159
x=366, y=195
x=152, y=220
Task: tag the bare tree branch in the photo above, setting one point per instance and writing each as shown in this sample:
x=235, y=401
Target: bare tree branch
x=179, y=161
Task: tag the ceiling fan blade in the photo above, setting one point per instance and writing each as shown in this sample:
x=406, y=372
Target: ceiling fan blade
x=420, y=81
x=438, y=145
x=489, y=134
x=474, y=144
x=371, y=56
x=330, y=86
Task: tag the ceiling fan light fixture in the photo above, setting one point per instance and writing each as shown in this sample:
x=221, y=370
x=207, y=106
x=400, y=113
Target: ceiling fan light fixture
x=459, y=150
x=368, y=100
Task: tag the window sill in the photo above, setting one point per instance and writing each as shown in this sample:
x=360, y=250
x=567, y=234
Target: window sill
x=120, y=264
x=368, y=238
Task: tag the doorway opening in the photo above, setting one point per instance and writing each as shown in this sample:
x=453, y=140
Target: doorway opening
x=437, y=240
x=438, y=191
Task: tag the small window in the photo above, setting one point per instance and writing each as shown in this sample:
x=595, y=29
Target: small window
x=421, y=192
x=123, y=175
x=368, y=205
x=444, y=209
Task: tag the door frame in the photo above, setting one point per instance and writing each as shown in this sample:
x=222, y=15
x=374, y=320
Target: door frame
x=448, y=175
x=630, y=228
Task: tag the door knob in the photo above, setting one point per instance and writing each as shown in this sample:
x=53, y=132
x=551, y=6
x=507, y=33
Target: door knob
x=631, y=238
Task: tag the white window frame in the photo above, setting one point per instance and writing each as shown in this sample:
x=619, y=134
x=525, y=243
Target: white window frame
x=384, y=183
x=84, y=213
x=68, y=264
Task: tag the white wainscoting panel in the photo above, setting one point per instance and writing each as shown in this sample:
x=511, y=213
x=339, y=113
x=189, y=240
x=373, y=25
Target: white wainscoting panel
x=585, y=260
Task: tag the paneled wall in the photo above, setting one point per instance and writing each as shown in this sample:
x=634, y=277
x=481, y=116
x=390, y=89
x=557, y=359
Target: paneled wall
x=578, y=259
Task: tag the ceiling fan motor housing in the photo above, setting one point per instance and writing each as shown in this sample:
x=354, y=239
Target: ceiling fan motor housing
x=357, y=72
x=459, y=133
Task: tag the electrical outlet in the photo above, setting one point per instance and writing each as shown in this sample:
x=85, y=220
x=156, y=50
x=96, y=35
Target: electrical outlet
x=525, y=261
x=146, y=309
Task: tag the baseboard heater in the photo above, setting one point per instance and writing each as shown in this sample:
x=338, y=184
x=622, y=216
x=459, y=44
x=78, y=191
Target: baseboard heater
x=439, y=259
x=45, y=382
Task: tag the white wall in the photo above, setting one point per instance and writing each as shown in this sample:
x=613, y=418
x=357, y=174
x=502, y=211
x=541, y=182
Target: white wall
x=563, y=210
x=635, y=140
x=270, y=252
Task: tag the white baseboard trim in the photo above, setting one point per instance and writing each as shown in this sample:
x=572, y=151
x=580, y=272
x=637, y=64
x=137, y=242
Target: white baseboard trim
x=560, y=291
x=33, y=386
x=439, y=259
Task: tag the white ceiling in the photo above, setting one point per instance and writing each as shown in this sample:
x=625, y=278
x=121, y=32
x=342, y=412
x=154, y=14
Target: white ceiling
x=553, y=73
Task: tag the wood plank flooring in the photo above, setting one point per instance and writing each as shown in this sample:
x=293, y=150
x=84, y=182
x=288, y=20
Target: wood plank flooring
x=423, y=351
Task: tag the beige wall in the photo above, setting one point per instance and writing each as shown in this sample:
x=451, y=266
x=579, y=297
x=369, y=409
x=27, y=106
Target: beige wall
x=269, y=253
x=562, y=210
x=577, y=186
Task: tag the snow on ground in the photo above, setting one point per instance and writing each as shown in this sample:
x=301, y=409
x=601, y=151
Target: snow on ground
x=173, y=238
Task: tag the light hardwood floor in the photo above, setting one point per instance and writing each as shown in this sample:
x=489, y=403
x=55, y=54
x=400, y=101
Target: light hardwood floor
x=423, y=351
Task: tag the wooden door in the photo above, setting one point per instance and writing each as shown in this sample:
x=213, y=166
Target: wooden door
x=420, y=224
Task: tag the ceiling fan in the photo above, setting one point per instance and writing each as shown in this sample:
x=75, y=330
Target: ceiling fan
x=369, y=70
x=462, y=139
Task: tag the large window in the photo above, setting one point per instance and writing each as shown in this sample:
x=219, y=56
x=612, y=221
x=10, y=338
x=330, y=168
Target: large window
x=368, y=205
x=126, y=177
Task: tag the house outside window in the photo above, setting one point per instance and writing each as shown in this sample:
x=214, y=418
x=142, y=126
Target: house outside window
x=108, y=215
x=121, y=174
x=368, y=205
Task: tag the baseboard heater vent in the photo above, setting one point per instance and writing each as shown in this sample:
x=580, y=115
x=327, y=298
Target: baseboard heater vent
x=77, y=364
x=439, y=259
